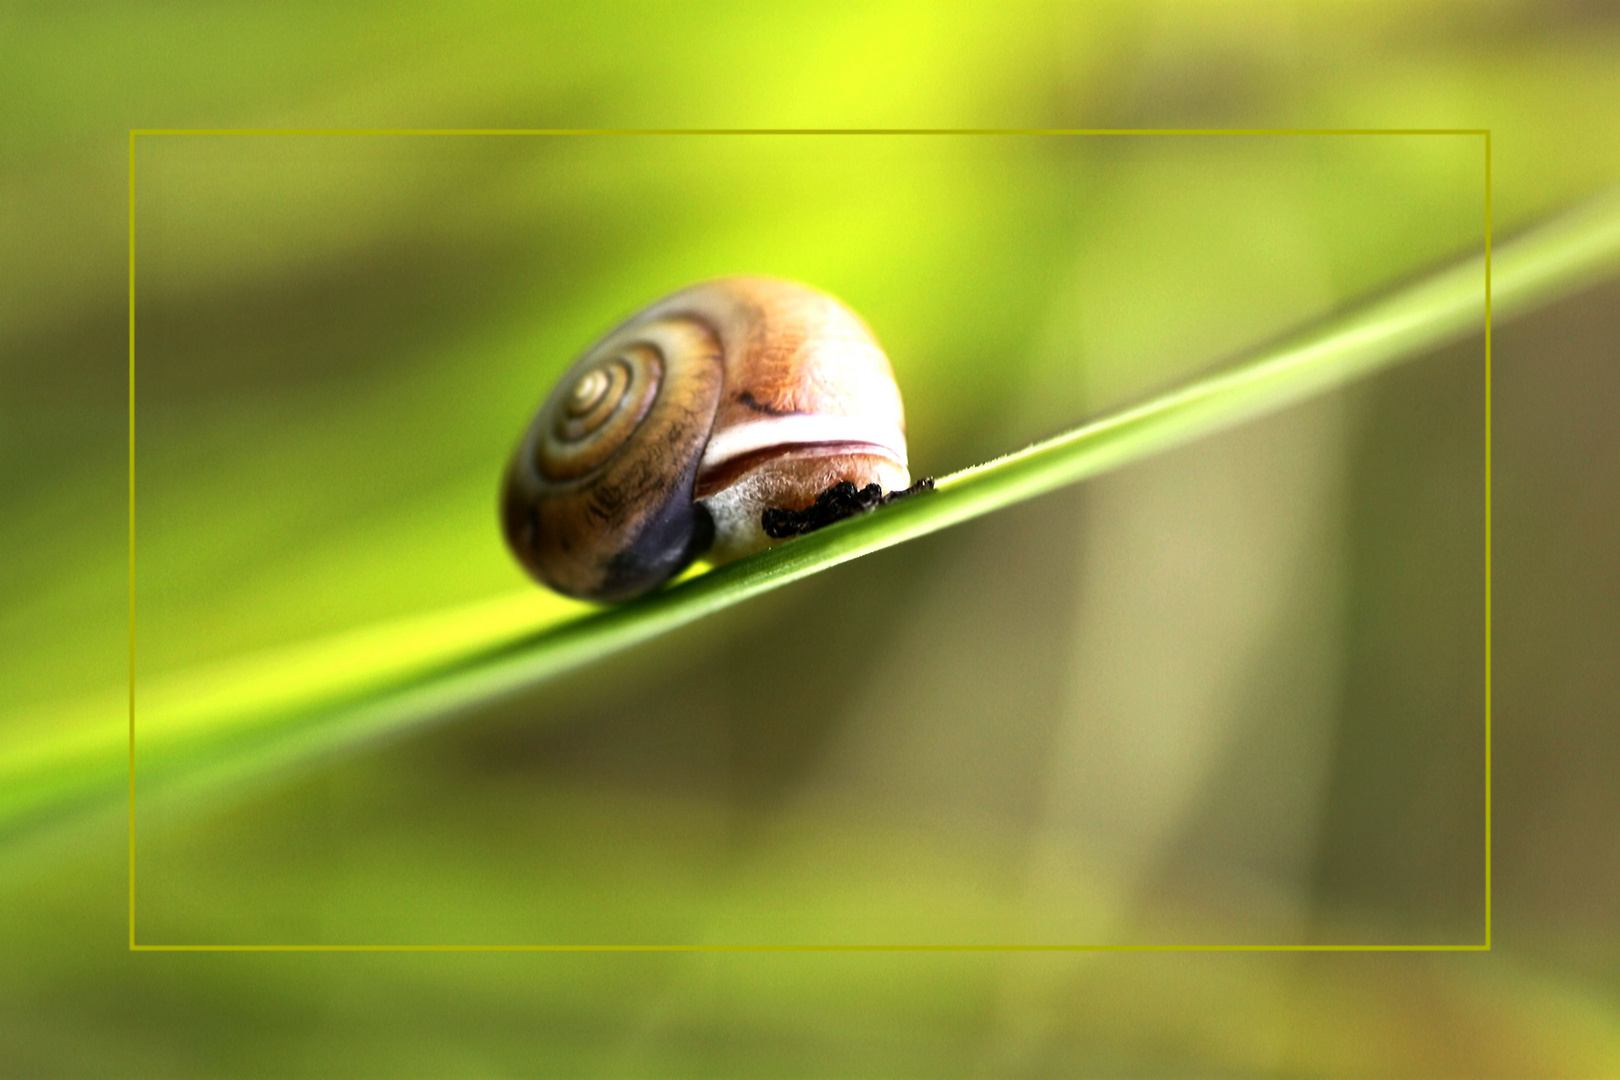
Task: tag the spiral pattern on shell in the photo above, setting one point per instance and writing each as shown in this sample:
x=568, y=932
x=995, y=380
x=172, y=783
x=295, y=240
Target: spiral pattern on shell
x=670, y=436
x=603, y=409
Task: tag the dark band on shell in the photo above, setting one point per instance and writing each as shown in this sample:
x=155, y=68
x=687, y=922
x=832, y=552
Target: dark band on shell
x=669, y=438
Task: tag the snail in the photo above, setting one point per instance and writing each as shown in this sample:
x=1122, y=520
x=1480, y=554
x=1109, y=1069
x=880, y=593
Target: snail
x=683, y=430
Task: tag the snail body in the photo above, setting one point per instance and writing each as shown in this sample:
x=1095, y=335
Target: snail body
x=672, y=435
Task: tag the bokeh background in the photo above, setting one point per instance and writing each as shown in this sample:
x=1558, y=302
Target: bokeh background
x=1230, y=695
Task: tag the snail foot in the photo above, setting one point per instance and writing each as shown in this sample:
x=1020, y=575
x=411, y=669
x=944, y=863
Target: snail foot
x=842, y=500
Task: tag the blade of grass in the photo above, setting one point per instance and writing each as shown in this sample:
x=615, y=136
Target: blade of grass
x=37, y=762
x=268, y=713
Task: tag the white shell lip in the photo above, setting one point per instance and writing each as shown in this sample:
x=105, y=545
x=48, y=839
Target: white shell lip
x=800, y=429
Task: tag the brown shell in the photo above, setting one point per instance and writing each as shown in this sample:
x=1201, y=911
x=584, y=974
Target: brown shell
x=732, y=396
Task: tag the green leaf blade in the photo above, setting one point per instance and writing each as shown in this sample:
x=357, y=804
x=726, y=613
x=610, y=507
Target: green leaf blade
x=201, y=741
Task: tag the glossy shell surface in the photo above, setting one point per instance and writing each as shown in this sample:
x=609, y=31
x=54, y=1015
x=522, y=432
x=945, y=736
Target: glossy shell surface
x=669, y=438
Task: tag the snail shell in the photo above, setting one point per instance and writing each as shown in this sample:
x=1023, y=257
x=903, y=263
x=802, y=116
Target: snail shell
x=672, y=435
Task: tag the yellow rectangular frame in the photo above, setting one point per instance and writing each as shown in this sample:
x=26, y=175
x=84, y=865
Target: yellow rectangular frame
x=1483, y=946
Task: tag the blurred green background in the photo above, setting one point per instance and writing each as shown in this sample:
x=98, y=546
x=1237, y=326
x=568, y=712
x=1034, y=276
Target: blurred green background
x=1230, y=695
